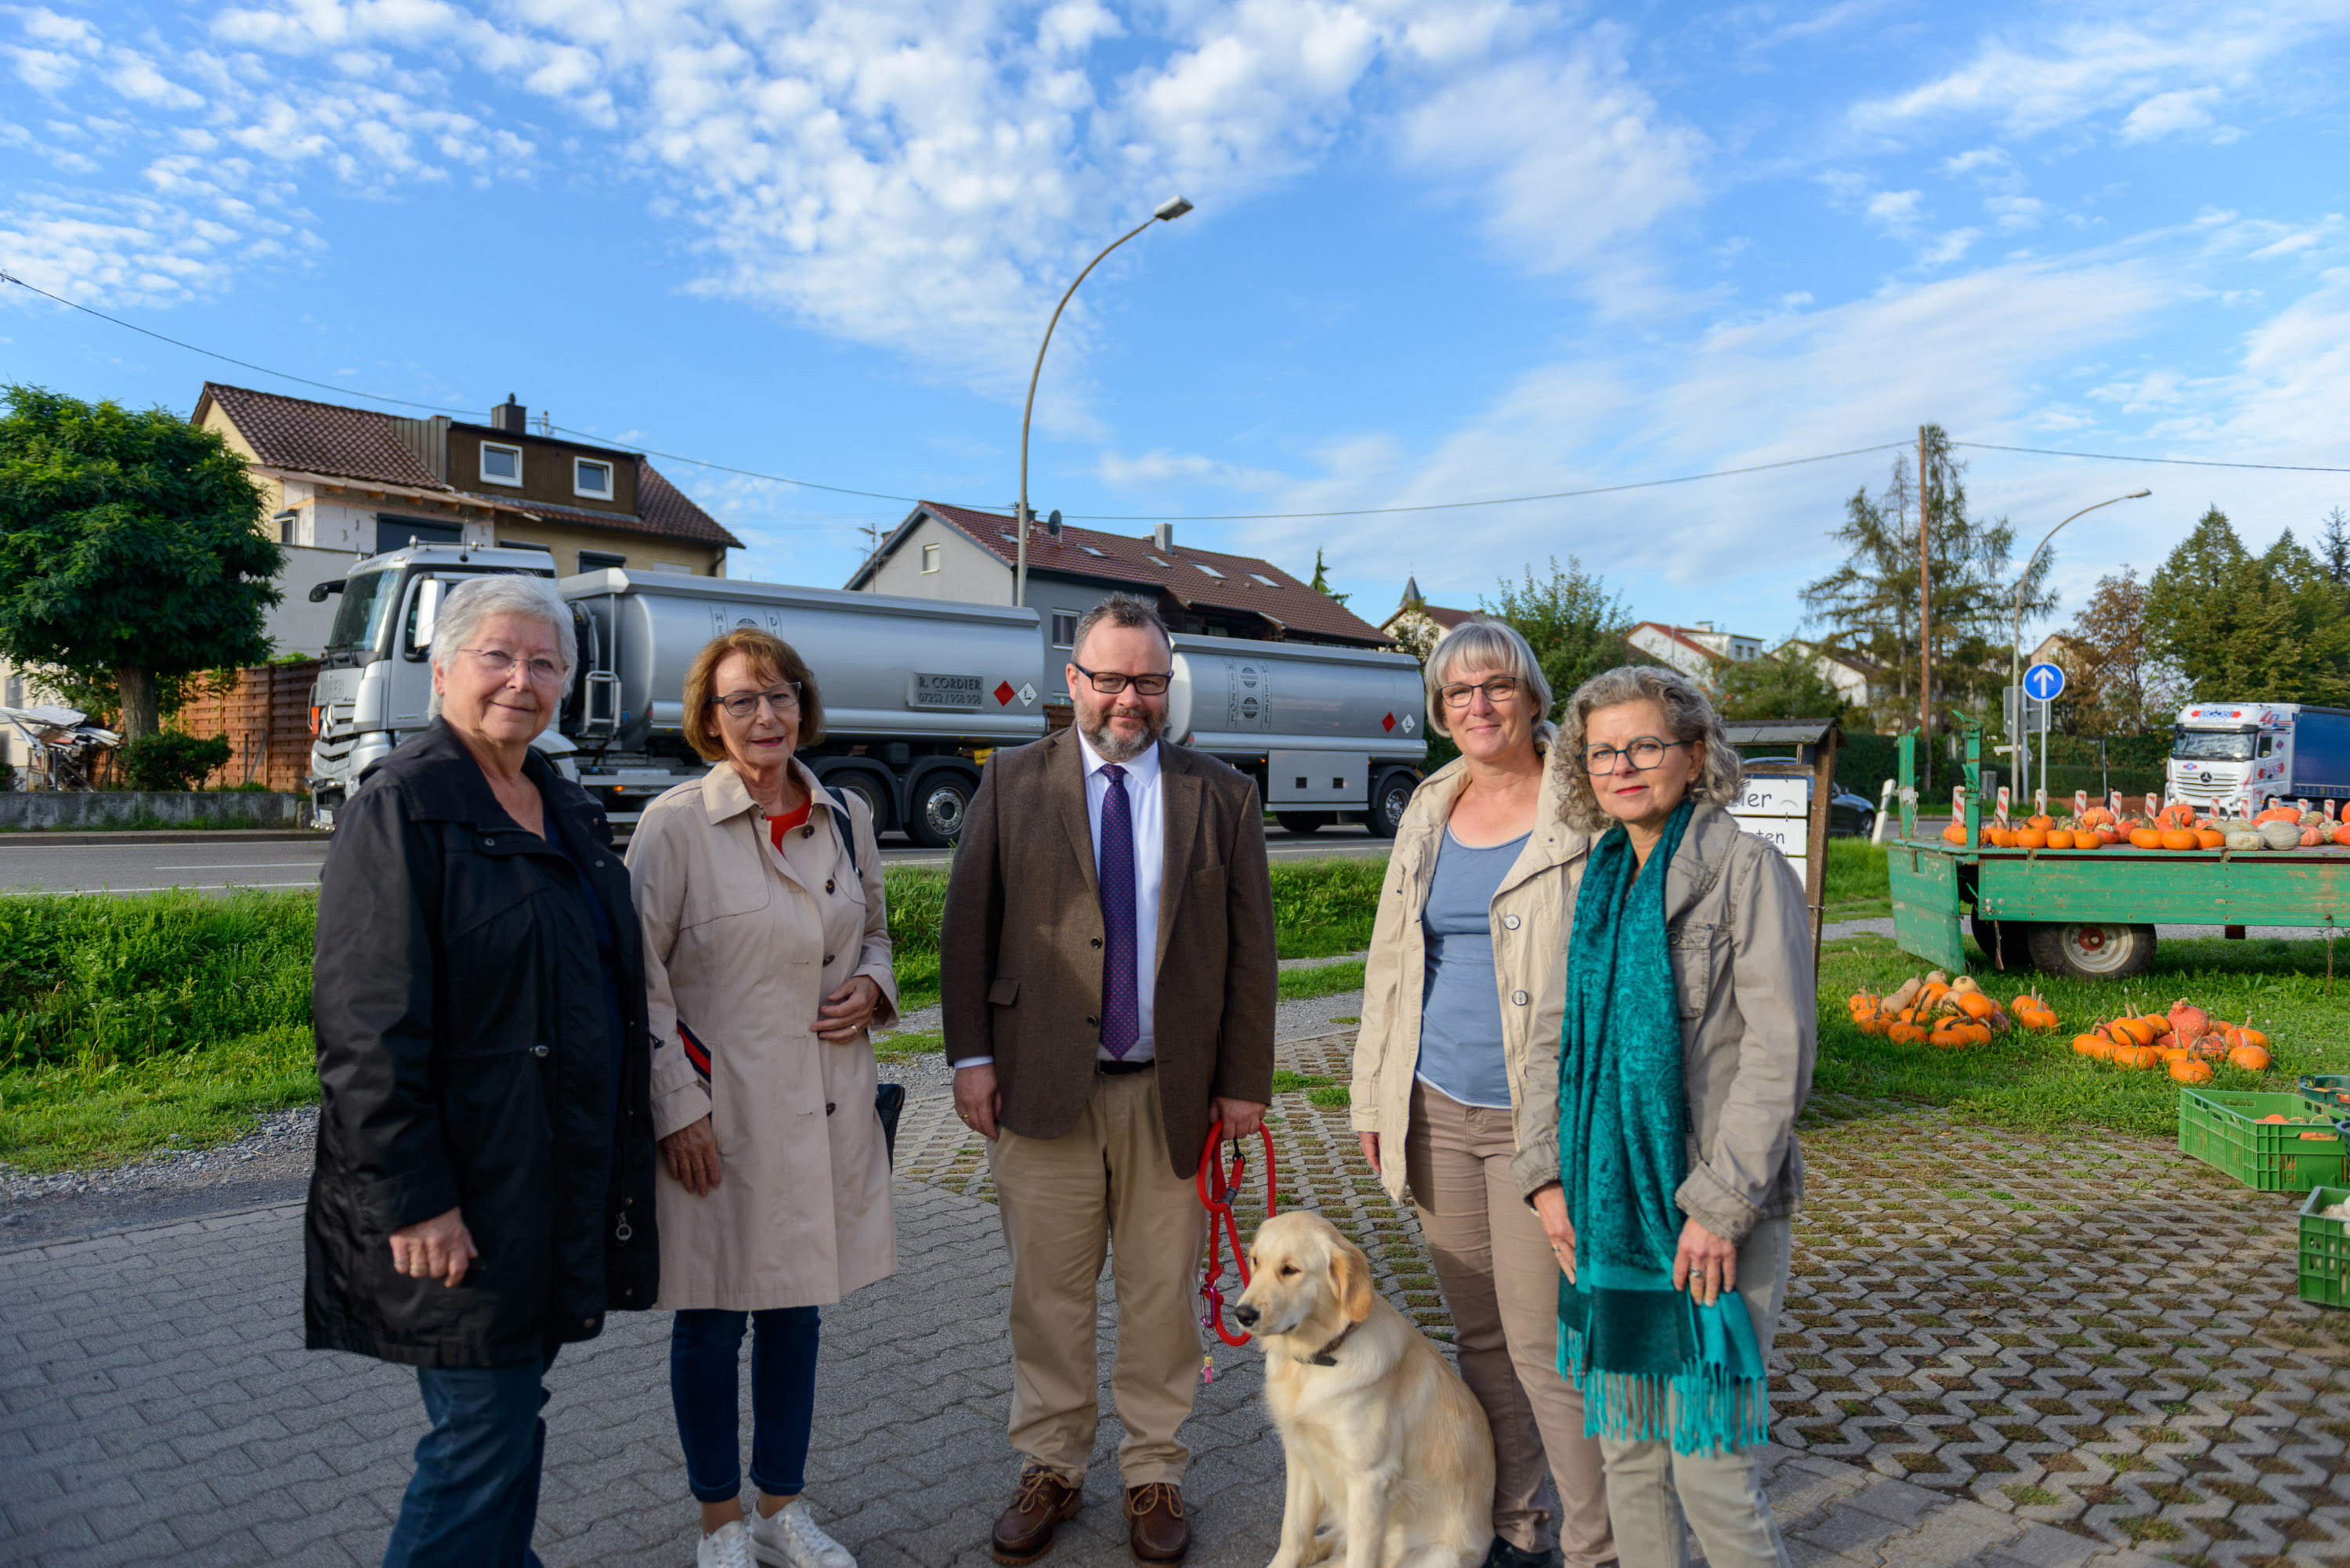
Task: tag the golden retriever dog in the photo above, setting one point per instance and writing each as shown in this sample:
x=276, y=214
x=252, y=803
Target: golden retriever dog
x=1390, y=1461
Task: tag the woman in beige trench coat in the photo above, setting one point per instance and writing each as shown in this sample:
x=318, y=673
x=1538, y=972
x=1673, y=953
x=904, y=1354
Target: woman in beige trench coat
x=767, y=958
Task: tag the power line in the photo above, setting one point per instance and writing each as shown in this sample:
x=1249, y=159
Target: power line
x=2174, y=461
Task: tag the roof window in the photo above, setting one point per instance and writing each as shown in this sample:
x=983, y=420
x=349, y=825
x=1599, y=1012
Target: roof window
x=1097, y=554
x=1210, y=570
x=1153, y=560
x=1261, y=577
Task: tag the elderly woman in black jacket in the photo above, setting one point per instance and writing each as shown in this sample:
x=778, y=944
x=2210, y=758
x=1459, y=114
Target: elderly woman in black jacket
x=484, y=1183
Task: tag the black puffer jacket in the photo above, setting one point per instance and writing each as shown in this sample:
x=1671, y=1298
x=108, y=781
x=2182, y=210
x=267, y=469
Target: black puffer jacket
x=465, y=1062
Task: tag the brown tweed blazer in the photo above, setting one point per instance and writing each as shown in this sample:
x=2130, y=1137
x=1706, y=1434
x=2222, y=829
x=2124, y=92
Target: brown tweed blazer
x=1021, y=953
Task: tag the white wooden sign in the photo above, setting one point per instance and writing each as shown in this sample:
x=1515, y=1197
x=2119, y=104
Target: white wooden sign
x=1776, y=809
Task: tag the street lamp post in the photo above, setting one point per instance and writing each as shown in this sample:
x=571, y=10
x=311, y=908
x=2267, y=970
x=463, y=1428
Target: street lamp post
x=2018, y=752
x=1167, y=211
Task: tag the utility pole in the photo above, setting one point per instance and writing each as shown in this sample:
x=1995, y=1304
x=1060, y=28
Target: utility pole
x=1925, y=625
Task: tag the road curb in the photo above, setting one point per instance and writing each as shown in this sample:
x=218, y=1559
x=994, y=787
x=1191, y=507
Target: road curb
x=41, y=839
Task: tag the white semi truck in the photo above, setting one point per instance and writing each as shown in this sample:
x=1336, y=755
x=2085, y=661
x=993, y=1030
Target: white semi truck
x=917, y=692
x=2224, y=753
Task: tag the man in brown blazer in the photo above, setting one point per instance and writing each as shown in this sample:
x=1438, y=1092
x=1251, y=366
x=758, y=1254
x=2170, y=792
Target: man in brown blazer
x=1108, y=977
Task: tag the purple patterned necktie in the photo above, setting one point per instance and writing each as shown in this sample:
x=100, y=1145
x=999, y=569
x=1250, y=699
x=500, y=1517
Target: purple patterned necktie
x=1121, y=1012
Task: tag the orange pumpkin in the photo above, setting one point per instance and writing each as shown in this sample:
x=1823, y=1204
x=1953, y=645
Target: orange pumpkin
x=2179, y=839
x=2145, y=839
x=2060, y=838
x=2132, y=1030
x=1955, y=834
x=2210, y=839
x=2091, y=1045
x=2136, y=1057
x=1874, y=1025
x=2030, y=838
x=2191, y=1071
x=2250, y=1036
x=1946, y=1037
x=2342, y=834
x=2250, y=1058
x=2085, y=839
x=1975, y=1005
x=1906, y=1033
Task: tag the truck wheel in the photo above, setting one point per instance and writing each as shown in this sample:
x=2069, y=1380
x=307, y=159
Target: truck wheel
x=865, y=787
x=1389, y=798
x=2013, y=951
x=1303, y=821
x=940, y=801
x=2084, y=951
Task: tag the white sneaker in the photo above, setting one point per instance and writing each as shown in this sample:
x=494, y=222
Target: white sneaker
x=729, y=1547
x=790, y=1536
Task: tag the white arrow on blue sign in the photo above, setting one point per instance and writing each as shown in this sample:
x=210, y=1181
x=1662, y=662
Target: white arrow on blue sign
x=2044, y=683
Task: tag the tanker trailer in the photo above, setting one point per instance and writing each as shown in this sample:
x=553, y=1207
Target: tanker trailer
x=912, y=688
x=1327, y=732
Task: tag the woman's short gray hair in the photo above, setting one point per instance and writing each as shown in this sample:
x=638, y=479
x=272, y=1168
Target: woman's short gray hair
x=1688, y=715
x=1492, y=645
x=484, y=599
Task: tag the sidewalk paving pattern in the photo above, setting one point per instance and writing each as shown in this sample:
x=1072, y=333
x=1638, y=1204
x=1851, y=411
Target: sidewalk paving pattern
x=156, y=1407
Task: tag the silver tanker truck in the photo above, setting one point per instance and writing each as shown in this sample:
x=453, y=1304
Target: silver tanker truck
x=917, y=692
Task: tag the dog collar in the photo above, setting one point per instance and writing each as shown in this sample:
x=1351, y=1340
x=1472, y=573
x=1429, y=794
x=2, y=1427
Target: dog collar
x=1328, y=1354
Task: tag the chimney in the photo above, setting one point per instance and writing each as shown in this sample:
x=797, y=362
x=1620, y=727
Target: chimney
x=510, y=416
x=1162, y=537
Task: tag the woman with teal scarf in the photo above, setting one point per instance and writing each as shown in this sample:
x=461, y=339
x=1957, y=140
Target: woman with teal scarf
x=1686, y=1053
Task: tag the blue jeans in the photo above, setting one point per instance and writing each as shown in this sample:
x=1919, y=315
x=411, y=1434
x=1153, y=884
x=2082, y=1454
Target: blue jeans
x=705, y=1351
x=474, y=1495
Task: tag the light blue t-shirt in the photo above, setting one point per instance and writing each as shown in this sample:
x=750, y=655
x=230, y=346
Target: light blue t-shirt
x=1460, y=1050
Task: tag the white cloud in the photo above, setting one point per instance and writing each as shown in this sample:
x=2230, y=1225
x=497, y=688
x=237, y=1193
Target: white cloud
x=2015, y=214
x=1949, y=248
x=1160, y=467
x=139, y=80
x=2186, y=110
x=1895, y=211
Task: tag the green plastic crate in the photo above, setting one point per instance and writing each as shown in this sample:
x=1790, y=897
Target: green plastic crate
x=2328, y=1090
x=2223, y=1129
x=2325, y=1250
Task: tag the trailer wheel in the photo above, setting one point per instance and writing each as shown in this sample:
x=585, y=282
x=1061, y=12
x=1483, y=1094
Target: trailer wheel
x=2089, y=951
x=2014, y=949
x=866, y=788
x=940, y=801
x=1389, y=798
x=1303, y=821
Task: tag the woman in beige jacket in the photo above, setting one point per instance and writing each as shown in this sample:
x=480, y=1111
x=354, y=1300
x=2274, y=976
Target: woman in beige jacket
x=767, y=958
x=1460, y=1009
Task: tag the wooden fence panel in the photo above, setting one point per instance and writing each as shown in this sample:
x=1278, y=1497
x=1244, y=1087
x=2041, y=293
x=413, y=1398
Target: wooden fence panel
x=266, y=717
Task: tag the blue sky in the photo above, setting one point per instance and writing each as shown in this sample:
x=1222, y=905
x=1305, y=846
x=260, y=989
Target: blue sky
x=1443, y=252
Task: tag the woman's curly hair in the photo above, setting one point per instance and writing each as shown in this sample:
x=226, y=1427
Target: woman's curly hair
x=1688, y=716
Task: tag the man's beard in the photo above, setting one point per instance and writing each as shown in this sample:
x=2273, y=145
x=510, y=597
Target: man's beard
x=1114, y=748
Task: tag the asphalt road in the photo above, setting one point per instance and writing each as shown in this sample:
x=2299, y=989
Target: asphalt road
x=225, y=860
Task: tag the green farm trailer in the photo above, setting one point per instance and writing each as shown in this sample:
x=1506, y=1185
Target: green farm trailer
x=2087, y=914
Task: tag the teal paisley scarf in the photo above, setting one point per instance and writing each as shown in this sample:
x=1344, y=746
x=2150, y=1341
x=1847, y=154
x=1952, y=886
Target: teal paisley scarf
x=1650, y=1362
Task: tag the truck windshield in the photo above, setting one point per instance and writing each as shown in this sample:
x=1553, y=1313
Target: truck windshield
x=2213, y=746
x=368, y=600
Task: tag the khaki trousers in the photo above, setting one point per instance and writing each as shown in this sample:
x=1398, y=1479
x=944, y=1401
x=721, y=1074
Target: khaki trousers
x=1500, y=1284
x=1106, y=1185
x=1650, y=1488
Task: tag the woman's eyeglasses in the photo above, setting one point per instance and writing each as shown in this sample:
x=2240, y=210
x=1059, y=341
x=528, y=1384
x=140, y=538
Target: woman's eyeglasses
x=497, y=661
x=1500, y=688
x=1109, y=683
x=784, y=698
x=1643, y=754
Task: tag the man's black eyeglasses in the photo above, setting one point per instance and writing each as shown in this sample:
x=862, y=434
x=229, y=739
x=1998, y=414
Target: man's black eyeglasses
x=1110, y=683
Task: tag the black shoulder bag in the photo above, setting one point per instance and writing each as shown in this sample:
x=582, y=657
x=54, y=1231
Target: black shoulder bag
x=888, y=1099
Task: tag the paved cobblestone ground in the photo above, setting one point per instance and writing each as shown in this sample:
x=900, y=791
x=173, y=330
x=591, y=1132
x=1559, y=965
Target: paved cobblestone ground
x=155, y=1406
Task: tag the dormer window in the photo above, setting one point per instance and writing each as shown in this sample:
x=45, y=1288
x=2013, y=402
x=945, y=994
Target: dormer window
x=500, y=464
x=1210, y=570
x=591, y=479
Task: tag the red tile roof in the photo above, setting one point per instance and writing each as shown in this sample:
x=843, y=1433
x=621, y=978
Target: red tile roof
x=338, y=442
x=1244, y=582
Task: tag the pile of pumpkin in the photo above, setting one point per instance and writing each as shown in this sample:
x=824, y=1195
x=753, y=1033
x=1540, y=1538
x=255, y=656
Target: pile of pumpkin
x=2187, y=1040
x=2174, y=827
x=1935, y=1010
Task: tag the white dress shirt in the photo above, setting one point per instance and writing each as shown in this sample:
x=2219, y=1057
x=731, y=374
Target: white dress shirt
x=1146, y=799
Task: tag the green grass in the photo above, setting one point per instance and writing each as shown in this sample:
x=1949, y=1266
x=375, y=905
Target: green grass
x=1856, y=886
x=1327, y=1092
x=2036, y=1081
x=171, y=1019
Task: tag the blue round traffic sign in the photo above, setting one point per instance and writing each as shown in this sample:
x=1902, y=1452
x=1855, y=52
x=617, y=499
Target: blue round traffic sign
x=2044, y=683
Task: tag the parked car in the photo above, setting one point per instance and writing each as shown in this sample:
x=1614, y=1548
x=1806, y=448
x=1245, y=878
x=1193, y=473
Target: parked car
x=1847, y=813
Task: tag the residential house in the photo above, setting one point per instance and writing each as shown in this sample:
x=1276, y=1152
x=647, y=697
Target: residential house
x=945, y=552
x=1857, y=679
x=1694, y=651
x=344, y=481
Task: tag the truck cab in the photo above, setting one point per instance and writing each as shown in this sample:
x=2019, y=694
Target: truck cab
x=375, y=678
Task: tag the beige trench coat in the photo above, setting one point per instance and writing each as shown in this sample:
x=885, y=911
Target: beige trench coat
x=1529, y=913
x=744, y=944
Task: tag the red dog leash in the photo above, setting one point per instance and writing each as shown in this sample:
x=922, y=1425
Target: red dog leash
x=1217, y=1187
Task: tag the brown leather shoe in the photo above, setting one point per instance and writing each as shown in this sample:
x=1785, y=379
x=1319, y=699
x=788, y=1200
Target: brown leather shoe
x=1157, y=1530
x=1023, y=1532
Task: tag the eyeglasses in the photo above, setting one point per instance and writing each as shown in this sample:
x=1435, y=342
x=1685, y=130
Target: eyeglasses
x=784, y=698
x=1500, y=688
x=1643, y=754
x=497, y=661
x=1110, y=683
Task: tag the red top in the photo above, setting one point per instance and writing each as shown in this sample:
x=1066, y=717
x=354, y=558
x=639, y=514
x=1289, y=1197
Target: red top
x=779, y=825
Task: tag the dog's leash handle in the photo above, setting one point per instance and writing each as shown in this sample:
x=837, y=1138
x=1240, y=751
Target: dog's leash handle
x=1216, y=1186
